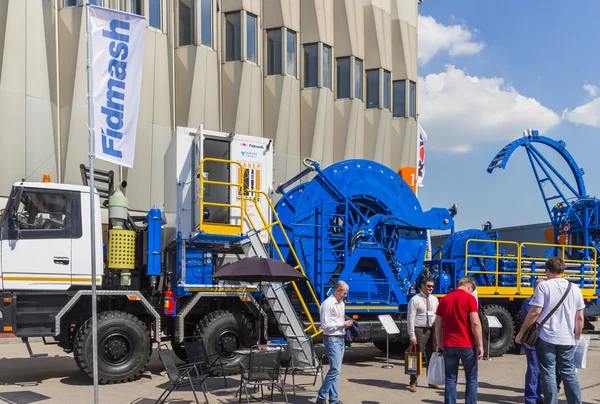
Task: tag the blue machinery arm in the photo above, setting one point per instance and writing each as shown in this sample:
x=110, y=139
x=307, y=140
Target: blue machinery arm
x=544, y=171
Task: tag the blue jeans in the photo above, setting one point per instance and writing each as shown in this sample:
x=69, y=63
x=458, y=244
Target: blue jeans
x=550, y=357
x=468, y=357
x=335, y=355
x=533, y=378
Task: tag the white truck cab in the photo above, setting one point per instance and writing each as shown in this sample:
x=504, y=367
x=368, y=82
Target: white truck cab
x=45, y=238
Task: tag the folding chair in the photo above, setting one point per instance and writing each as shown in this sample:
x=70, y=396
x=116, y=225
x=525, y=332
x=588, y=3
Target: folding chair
x=264, y=368
x=196, y=353
x=182, y=376
x=316, y=367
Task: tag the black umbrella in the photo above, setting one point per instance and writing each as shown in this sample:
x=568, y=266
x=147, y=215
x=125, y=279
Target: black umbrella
x=257, y=269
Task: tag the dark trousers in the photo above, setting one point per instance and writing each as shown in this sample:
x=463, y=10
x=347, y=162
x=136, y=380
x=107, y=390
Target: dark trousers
x=425, y=344
x=533, y=378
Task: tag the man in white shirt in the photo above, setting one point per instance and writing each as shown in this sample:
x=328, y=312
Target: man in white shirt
x=555, y=346
x=334, y=327
x=421, y=318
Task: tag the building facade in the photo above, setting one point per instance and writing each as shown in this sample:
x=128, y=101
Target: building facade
x=325, y=79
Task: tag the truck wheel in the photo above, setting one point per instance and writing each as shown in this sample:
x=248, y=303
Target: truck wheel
x=124, y=347
x=396, y=347
x=224, y=332
x=501, y=339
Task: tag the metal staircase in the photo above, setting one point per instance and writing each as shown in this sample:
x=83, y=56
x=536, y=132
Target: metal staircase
x=299, y=344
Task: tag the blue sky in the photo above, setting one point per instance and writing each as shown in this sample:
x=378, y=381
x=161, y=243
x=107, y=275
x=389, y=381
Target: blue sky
x=487, y=71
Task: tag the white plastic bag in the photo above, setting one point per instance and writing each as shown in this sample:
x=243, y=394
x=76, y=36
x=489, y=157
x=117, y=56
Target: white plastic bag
x=581, y=351
x=436, y=371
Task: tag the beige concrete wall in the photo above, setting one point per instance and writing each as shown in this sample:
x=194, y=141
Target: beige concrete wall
x=317, y=103
x=405, y=63
x=43, y=111
x=27, y=127
x=349, y=113
x=281, y=103
x=197, y=87
x=378, y=51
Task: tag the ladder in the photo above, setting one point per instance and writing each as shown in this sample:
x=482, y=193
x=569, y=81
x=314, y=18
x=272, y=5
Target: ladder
x=299, y=344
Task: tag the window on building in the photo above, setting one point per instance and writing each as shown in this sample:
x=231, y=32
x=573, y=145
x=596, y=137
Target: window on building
x=233, y=36
x=412, y=100
x=386, y=89
x=206, y=22
x=399, y=99
x=71, y=3
x=134, y=7
x=186, y=22
x=358, y=78
x=251, y=38
x=154, y=13
x=373, y=88
x=291, y=53
x=326, y=66
x=311, y=65
x=274, y=49
x=343, y=77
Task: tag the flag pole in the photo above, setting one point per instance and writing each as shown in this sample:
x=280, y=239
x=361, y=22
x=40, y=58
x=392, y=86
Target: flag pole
x=92, y=203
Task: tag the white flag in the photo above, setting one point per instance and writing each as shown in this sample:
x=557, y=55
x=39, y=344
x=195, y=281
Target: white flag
x=116, y=41
x=422, y=139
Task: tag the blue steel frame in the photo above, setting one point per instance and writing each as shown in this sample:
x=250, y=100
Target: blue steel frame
x=575, y=215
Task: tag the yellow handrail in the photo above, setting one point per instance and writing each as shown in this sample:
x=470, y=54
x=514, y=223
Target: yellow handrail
x=207, y=226
x=519, y=271
x=266, y=226
x=589, y=262
x=496, y=257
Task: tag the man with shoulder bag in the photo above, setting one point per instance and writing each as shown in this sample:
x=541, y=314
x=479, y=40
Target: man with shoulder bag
x=559, y=304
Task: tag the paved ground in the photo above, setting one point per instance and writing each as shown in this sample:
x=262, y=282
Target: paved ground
x=56, y=379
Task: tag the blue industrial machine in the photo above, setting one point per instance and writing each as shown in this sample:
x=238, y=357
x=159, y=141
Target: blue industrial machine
x=358, y=221
x=503, y=270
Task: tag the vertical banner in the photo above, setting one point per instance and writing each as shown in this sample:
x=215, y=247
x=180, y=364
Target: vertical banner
x=422, y=139
x=117, y=50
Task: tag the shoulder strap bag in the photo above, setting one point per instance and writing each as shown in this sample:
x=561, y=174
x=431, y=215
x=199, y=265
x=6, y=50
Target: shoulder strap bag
x=531, y=335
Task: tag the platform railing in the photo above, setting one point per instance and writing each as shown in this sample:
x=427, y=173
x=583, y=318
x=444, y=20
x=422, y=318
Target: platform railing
x=206, y=226
x=528, y=268
x=578, y=270
x=496, y=257
x=252, y=197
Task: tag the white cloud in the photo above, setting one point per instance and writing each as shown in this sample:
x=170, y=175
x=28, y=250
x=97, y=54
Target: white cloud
x=458, y=110
x=587, y=114
x=591, y=89
x=435, y=37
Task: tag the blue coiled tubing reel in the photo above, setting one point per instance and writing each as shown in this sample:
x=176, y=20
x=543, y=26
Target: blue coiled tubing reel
x=358, y=221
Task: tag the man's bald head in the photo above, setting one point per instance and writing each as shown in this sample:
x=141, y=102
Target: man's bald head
x=340, y=290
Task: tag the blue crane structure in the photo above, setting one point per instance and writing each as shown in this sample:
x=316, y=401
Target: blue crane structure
x=573, y=213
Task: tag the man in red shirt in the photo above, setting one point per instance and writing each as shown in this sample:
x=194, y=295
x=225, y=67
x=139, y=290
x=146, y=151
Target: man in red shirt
x=458, y=328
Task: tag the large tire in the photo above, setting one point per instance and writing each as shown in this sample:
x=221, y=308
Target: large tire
x=396, y=347
x=224, y=332
x=124, y=347
x=501, y=339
